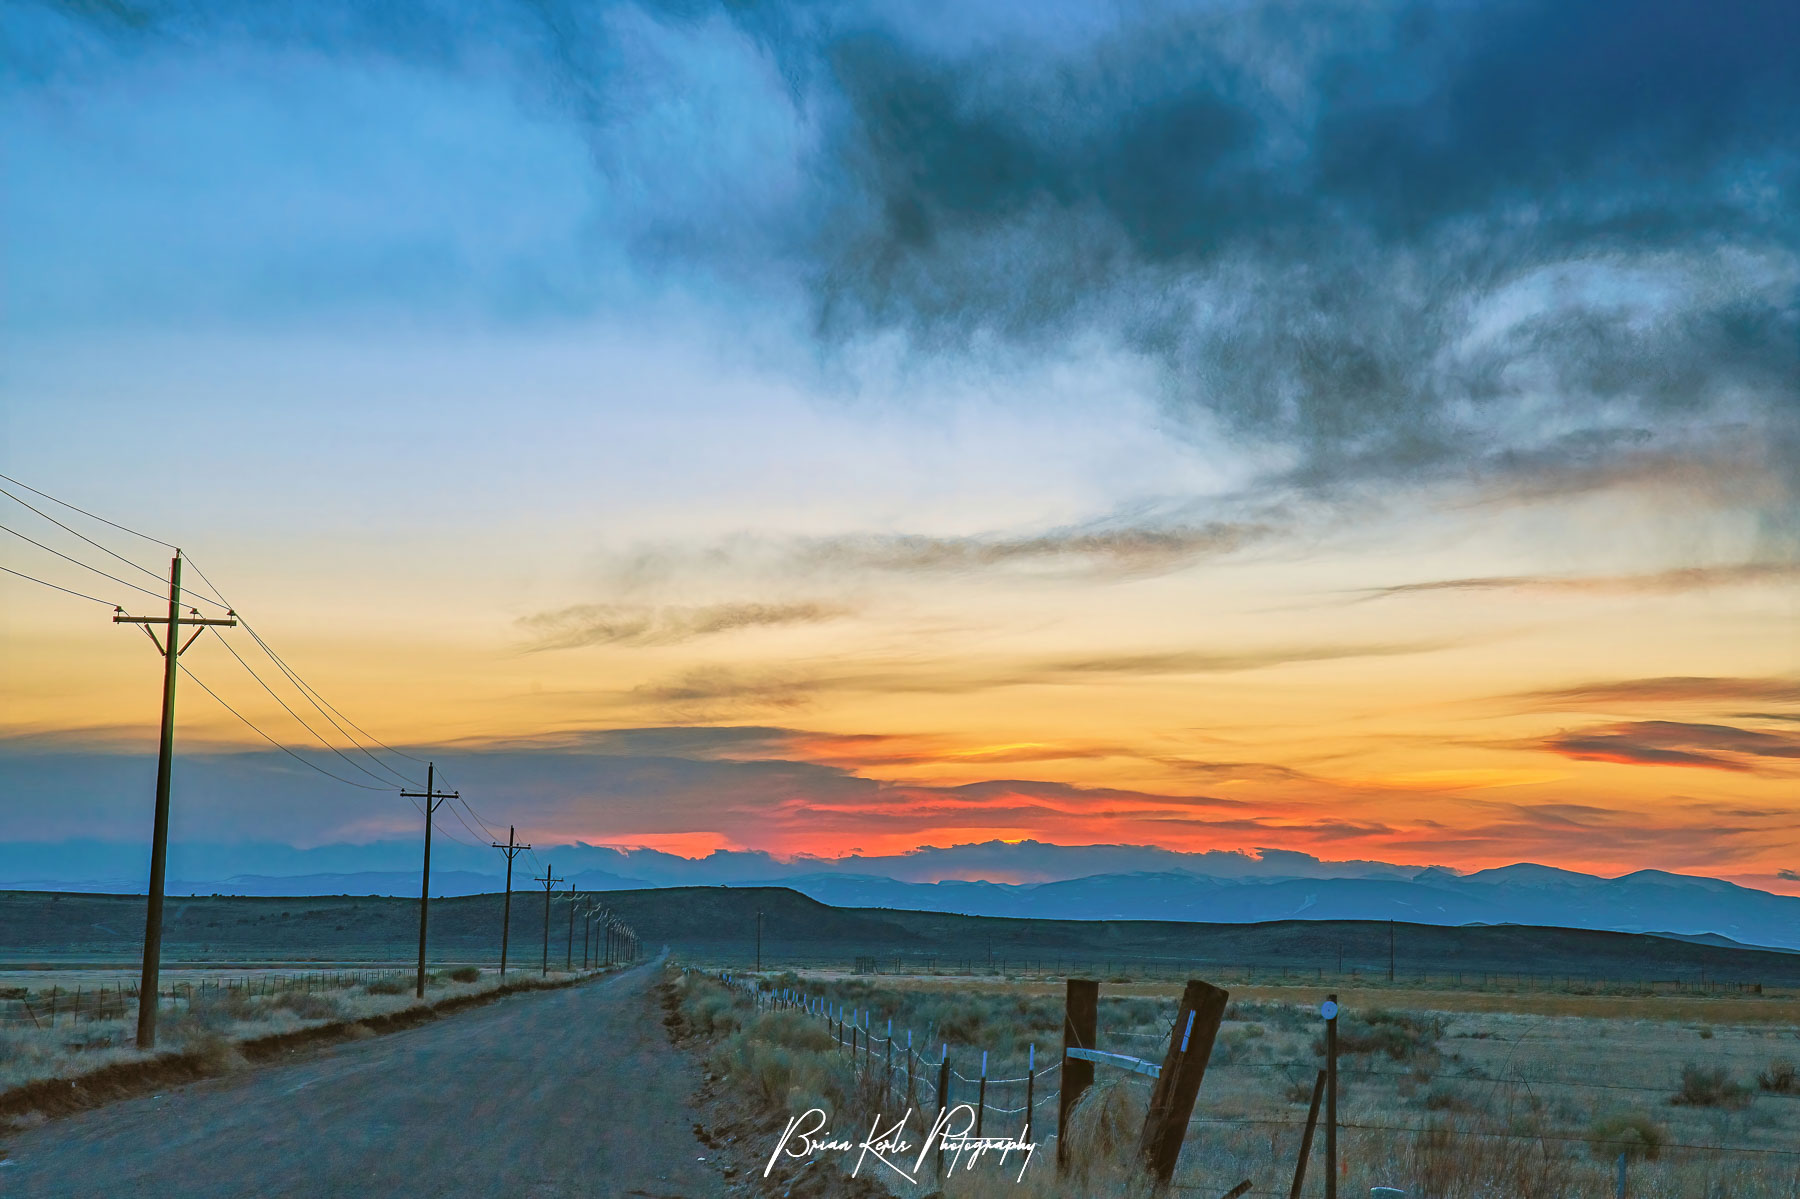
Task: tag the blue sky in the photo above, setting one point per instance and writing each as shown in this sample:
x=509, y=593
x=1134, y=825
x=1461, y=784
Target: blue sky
x=1336, y=410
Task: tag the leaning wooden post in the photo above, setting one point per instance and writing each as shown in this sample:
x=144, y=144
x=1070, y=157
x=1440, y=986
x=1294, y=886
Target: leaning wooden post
x=1081, y=1022
x=1306, y=1138
x=1172, y=1099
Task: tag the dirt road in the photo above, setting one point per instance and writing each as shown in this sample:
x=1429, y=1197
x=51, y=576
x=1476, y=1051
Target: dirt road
x=562, y=1093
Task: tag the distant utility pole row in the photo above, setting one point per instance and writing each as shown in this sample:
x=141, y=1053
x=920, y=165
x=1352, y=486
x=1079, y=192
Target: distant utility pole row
x=178, y=632
x=621, y=938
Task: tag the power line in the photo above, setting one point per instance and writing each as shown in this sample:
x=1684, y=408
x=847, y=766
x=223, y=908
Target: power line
x=219, y=599
x=58, y=587
x=278, y=745
x=309, y=728
x=314, y=692
x=76, y=532
x=80, y=563
x=71, y=507
x=292, y=678
x=478, y=819
x=464, y=823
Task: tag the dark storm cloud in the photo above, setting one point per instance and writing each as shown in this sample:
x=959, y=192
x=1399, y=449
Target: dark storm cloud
x=1527, y=240
x=1353, y=249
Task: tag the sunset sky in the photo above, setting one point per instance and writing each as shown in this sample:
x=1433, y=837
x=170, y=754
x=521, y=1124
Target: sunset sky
x=1365, y=429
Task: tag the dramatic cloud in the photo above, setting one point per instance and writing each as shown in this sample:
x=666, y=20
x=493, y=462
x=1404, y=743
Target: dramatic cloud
x=600, y=624
x=1396, y=237
x=1792, y=876
x=1673, y=743
x=1392, y=240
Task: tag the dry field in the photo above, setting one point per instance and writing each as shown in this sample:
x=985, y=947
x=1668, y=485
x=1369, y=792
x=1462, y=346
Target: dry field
x=64, y=1023
x=1443, y=1092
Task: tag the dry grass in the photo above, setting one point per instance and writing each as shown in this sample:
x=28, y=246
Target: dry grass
x=211, y=1022
x=1457, y=1095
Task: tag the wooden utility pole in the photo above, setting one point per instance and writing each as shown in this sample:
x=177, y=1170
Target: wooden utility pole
x=434, y=799
x=511, y=849
x=171, y=648
x=1081, y=1021
x=759, y=939
x=549, y=880
x=1172, y=1099
x=1390, y=951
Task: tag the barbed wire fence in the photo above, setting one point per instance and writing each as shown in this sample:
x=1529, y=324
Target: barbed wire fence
x=897, y=1066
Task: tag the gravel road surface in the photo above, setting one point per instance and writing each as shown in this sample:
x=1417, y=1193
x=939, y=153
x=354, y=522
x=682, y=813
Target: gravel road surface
x=541, y=1095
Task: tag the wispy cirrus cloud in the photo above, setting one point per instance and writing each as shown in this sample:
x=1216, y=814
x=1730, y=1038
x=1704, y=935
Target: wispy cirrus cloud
x=1674, y=743
x=788, y=687
x=1695, y=578
x=1668, y=689
x=609, y=624
x=1120, y=547
x=1104, y=548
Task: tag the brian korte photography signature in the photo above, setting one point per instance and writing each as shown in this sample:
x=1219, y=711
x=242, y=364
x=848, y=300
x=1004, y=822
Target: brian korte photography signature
x=805, y=1139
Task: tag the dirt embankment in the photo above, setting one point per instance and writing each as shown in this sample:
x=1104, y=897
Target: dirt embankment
x=53, y=1097
x=741, y=1133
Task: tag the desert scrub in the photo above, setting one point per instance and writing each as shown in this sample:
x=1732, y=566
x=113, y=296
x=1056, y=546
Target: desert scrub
x=1402, y=1036
x=310, y=1005
x=466, y=974
x=1780, y=1078
x=1709, y=1086
x=1471, y=1159
x=787, y=1061
x=1635, y=1134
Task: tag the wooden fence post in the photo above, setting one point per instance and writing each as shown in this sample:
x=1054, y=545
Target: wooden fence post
x=1172, y=1099
x=1306, y=1138
x=912, y=1087
x=1081, y=1022
x=1330, y=1012
x=981, y=1097
x=1030, y=1089
x=943, y=1103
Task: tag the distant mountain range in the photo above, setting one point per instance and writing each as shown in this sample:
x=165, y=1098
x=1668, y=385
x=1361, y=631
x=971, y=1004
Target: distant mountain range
x=1061, y=882
x=1649, y=901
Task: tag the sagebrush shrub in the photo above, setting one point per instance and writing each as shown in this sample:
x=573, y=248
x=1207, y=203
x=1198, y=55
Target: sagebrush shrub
x=1634, y=1134
x=1709, y=1086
